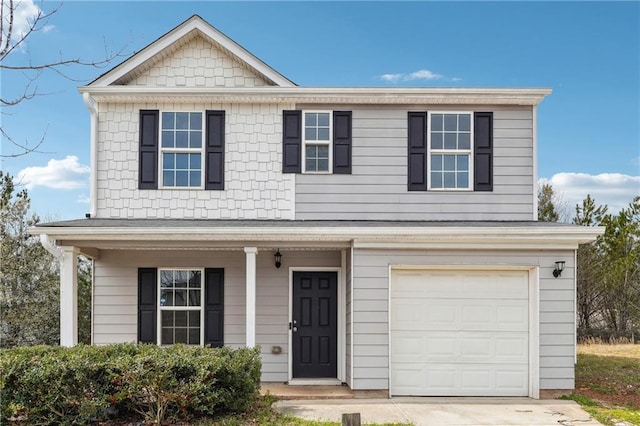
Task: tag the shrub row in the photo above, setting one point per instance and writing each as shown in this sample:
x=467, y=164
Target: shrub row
x=45, y=384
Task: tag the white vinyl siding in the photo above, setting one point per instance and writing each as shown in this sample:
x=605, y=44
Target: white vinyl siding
x=370, y=288
x=377, y=187
x=115, y=289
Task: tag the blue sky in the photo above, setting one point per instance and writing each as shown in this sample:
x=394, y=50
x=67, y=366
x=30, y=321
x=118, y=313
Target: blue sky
x=587, y=52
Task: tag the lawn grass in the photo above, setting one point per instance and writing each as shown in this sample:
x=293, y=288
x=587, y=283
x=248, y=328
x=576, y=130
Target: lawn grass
x=608, y=382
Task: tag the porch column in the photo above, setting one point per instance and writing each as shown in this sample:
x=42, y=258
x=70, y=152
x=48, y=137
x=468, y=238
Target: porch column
x=69, y=296
x=251, y=253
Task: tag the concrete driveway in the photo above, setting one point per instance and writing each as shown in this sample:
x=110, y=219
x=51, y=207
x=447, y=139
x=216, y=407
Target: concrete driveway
x=443, y=411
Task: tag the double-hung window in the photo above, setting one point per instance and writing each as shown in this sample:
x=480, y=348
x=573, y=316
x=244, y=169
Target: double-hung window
x=450, y=150
x=180, y=298
x=317, y=141
x=181, y=146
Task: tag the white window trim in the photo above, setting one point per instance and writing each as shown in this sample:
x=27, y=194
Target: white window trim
x=328, y=143
x=179, y=308
x=200, y=151
x=450, y=151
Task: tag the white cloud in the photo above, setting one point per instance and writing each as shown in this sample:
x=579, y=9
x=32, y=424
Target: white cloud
x=613, y=189
x=67, y=173
x=391, y=77
x=83, y=199
x=416, y=75
x=423, y=75
x=24, y=14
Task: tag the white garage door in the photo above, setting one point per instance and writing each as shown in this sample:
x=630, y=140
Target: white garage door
x=459, y=333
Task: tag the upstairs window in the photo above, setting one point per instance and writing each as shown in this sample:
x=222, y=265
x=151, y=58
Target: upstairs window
x=186, y=150
x=181, y=149
x=317, y=141
x=450, y=151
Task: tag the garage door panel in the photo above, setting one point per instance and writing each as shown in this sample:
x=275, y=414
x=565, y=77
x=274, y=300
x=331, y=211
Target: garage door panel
x=461, y=314
x=459, y=333
x=463, y=347
x=448, y=284
x=456, y=380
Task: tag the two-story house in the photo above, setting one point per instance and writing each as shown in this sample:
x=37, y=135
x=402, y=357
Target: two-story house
x=385, y=237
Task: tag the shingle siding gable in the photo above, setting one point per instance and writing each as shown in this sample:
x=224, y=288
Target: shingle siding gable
x=196, y=63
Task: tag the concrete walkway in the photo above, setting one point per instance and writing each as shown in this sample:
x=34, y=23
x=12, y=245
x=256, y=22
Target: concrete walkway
x=443, y=411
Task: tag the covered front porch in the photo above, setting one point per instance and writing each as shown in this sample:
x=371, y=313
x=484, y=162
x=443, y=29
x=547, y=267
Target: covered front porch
x=259, y=304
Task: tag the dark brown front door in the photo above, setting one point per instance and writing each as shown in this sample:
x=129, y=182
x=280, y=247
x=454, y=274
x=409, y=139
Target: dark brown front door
x=315, y=324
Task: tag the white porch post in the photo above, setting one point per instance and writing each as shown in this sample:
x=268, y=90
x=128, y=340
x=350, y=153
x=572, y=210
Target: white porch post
x=251, y=253
x=69, y=296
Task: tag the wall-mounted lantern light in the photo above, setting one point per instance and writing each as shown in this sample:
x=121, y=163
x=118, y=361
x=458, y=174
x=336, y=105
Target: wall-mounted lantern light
x=559, y=268
x=278, y=258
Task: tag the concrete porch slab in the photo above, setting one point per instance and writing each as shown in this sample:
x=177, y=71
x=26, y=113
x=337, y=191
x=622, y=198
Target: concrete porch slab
x=313, y=392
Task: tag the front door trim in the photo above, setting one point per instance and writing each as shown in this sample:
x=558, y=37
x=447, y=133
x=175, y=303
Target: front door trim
x=341, y=316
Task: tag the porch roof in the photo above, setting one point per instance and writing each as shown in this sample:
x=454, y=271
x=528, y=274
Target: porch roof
x=211, y=234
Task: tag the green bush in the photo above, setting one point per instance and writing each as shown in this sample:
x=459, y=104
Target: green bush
x=43, y=384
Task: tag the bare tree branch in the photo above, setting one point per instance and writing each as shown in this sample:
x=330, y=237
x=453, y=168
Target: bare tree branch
x=13, y=38
x=24, y=148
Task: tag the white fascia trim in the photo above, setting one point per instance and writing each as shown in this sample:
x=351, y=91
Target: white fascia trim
x=364, y=237
x=193, y=23
x=323, y=95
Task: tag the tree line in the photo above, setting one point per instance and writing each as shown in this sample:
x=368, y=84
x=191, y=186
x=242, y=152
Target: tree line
x=608, y=272
x=608, y=269
x=30, y=278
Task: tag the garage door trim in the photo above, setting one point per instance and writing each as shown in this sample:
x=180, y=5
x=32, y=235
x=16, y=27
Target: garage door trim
x=534, y=309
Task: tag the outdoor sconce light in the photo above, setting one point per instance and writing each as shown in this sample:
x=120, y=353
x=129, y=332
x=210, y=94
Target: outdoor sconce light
x=278, y=258
x=559, y=268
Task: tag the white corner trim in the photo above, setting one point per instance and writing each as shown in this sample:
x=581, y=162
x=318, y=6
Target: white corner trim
x=92, y=106
x=575, y=308
x=352, y=317
x=342, y=318
x=534, y=332
x=535, y=162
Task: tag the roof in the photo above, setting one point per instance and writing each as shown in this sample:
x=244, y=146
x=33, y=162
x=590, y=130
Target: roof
x=154, y=234
x=107, y=87
x=241, y=223
x=149, y=54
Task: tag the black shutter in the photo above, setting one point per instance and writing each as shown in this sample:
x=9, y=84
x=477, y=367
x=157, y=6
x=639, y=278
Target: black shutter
x=147, y=304
x=417, y=160
x=483, y=151
x=214, y=307
x=342, y=142
x=292, y=141
x=148, y=145
x=214, y=157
